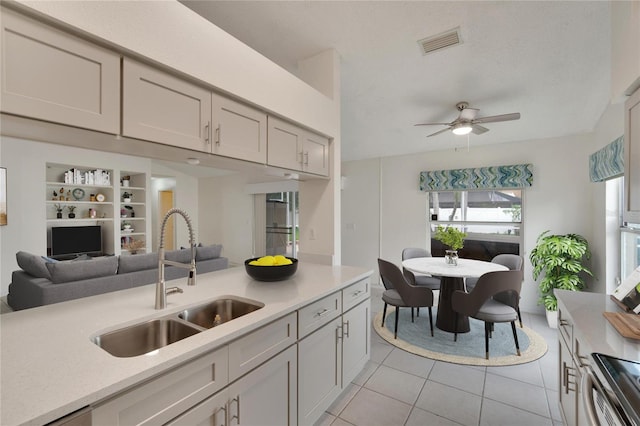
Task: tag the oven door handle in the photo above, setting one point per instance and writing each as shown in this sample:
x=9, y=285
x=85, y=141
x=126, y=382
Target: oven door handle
x=588, y=384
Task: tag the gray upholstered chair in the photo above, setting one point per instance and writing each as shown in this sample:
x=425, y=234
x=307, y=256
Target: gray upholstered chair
x=512, y=261
x=494, y=299
x=421, y=280
x=402, y=293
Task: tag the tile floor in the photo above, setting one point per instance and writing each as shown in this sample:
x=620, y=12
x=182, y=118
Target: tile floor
x=399, y=388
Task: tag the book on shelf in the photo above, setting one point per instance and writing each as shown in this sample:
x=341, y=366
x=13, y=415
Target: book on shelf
x=87, y=177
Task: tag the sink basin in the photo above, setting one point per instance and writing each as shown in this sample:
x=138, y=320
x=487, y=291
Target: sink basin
x=219, y=311
x=142, y=338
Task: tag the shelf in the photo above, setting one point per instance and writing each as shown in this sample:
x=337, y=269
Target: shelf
x=78, y=185
x=132, y=188
x=94, y=203
x=131, y=234
x=85, y=219
x=131, y=204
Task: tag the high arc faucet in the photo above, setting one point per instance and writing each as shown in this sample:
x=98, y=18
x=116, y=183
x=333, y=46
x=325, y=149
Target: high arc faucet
x=161, y=290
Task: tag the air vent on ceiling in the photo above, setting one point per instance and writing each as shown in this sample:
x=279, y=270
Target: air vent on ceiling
x=440, y=41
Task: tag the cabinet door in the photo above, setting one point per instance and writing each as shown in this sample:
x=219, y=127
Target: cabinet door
x=285, y=144
x=50, y=75
x=632, y=158
x=240, y=131
x=355, y=342
x=319, y=371
x=315, y=156
x=159, y=107
x=267, y=395
x=568, y=386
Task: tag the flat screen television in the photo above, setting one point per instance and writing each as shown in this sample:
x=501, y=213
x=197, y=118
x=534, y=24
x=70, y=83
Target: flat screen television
x=74, y=240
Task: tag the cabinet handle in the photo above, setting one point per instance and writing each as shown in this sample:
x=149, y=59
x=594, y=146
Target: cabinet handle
x=306, y=158
x=346, y=328
x=567, y=374
x=237, y=416
x=322, y=312
x=218, y=134
x=207, y=133
x=224, y=410
x=356, y=293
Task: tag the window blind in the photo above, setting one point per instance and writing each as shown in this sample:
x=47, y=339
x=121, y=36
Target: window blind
x=608, y=162
x=493, y=177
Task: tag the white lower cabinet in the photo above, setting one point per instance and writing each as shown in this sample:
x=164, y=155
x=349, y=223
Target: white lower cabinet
x=319, y=372
x=330, y=357
x=356, y=341
x=266, y=396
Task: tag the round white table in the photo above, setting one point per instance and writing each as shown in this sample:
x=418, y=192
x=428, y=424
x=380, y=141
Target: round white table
x=452, y=279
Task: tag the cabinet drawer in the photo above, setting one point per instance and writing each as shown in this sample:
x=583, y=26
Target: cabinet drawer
x=160, y=400
x=565, y=328
x=355, y=294
x=319, y=313
x=250, y=351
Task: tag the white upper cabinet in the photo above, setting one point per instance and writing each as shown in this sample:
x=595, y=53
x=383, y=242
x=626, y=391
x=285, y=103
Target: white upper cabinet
x=315, y=157
x=239, y=130
x=632, y=158
x=54, y=76
x=159, y=107
x=292, y=147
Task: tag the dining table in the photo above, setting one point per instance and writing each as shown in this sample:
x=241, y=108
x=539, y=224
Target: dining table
x=451, y=279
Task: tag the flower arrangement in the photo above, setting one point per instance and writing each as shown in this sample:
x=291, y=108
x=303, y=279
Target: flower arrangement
x=133, y=245
x=450, y=236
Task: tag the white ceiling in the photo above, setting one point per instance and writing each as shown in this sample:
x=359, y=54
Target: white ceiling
x=548, y=60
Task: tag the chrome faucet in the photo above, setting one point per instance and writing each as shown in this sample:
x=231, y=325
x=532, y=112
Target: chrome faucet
x=161, y=290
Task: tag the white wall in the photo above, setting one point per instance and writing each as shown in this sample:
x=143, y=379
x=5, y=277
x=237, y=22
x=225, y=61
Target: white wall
x=26, y=192
x=226, y=212
x=560, y=199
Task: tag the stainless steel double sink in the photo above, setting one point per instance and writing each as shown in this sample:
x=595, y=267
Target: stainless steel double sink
x=148, y=336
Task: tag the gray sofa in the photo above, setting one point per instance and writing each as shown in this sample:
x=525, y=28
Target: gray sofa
x=42, y=282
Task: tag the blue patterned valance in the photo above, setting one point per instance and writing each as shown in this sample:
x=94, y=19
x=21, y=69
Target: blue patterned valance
x=494, y=177
x=608, y=162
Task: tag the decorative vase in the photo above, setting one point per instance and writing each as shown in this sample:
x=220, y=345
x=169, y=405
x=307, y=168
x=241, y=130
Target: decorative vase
x=72, y=215
x=127, y=200
x=451, y=257
x=552, y=318
x=59, y=215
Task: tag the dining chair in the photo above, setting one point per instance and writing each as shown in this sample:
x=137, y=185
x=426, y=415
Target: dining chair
x=402, y=292
x=421, y=280
x=481, y=303
x=512, y=261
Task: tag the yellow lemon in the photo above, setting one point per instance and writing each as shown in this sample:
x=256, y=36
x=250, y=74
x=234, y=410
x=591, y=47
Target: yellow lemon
x=279, y=259
x=266, y=261
x=286, y=262
x=254, y=262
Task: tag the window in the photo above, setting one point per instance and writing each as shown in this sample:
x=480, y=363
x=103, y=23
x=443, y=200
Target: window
x=492, y=220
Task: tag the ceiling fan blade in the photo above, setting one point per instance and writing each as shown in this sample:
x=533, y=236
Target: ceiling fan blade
x=438, y=132
x=478, y=130
x=468, y=114
x=496, y=118
x=432, y=124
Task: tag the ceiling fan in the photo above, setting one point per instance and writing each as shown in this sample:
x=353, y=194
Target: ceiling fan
x=467, y=122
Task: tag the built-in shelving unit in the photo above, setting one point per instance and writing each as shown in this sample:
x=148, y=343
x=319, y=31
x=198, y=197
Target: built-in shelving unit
x=77, y=196
x=133, y=202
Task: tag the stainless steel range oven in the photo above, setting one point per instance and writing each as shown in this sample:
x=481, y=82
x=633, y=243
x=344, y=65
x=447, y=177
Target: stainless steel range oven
x=611, y=391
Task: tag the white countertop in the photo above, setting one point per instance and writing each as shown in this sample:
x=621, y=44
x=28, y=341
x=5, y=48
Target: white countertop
x=49, y=367
x=592, y=328
x=466, y=268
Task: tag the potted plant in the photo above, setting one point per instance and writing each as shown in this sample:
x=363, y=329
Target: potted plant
x=560, y=258
x=126, y=226
x=127, y=196
x=72, y=214
x=454, y=239
x=59, y=210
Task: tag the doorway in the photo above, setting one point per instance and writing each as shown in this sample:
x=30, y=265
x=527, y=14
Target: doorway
x=165, y=203
x=281, y=225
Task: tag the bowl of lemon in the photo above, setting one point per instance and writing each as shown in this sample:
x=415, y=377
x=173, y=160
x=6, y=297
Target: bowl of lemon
x=271, y=268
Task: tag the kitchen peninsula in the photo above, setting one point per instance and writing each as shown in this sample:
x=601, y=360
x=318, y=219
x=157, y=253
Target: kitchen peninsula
x=51, y=367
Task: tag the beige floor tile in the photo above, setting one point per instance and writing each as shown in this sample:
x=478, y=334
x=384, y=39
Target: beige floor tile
x=369, y=408
x=396, y=384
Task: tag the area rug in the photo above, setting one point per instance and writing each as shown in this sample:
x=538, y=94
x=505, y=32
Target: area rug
x=469, y=349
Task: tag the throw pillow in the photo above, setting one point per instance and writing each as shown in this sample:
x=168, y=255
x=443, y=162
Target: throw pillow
x=33, y=265
x=208, y=252
x=137, y=262
x=62, y=272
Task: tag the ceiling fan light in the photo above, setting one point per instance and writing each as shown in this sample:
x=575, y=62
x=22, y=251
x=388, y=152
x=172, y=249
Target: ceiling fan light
x=462, y=129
